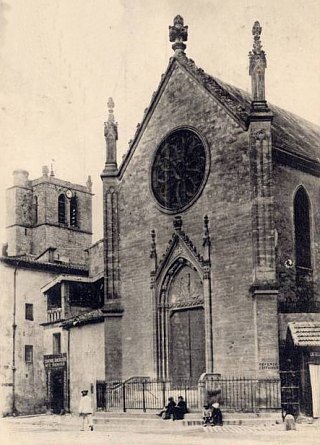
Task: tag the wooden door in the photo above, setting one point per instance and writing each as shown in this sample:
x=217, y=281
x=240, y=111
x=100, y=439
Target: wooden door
x=186, y=345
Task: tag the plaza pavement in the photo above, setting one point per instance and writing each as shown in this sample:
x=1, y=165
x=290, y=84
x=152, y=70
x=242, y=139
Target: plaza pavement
x=64, y=430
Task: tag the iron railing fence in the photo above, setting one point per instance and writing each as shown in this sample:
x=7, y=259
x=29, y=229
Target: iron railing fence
x=244, y=394
x=143, y=393
x=234, y=393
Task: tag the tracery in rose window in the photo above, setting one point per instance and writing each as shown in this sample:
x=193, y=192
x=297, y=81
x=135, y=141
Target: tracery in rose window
x=179, y=169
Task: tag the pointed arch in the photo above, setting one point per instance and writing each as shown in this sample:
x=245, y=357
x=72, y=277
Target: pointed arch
x=302, y=228
x=181, y=322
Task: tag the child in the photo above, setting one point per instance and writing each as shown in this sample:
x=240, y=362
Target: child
x=216, y=414
x=207, y=415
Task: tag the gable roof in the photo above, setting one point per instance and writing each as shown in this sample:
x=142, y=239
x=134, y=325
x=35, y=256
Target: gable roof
x=305, y=333
x=290, y=133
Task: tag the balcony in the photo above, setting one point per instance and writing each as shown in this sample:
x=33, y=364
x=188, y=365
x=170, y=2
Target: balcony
x=54, y=314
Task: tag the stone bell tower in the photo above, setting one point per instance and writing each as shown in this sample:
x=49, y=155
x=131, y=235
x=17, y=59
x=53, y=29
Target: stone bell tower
x=264, y=290
x=112, y=306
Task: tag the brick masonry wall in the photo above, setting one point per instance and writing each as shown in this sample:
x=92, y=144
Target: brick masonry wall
x=225, y=199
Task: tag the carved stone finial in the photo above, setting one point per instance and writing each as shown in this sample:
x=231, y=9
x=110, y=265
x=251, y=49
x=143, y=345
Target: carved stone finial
x=206, y=234
x=153, y=250
x=256, y=32
x=52, y=170
x=177, y=223
x=111, y=136
x=257, y=66
x=45, y=171
x=178, y=33
x=89, y=184
x=153, y=244
x=110, y=105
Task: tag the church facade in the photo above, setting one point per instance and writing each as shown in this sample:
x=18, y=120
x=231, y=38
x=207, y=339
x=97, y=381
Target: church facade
x=211, y=230
x=209, y=262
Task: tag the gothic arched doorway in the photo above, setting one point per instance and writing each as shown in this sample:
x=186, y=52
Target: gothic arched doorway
x=182, y=324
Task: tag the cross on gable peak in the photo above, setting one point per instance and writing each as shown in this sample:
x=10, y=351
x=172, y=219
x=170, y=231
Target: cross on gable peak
x=178, y=33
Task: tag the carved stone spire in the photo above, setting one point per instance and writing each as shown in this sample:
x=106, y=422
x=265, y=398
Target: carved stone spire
x=257, y=66
x=153, y=250
x=111, y=137
x=177, y=223
x=206, y=234
x=89, y=184
x=178, y=33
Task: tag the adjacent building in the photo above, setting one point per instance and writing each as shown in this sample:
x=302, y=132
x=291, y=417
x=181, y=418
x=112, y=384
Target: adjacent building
x=49, y=230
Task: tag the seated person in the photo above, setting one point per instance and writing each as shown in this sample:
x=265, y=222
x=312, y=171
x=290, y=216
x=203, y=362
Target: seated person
x=169, y=410
x=206, y=415
x=181, y=408
x=216, y=414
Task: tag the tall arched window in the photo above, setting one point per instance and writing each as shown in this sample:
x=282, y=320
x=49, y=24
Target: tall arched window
x=302, y=229
x=35, y=209
x=73, y=211
x=61, y=209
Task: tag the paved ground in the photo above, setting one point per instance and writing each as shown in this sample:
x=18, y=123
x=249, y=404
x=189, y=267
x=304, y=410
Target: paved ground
x=55, y=430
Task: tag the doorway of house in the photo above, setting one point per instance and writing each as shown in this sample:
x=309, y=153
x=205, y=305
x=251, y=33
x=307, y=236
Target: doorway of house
x=57, y=391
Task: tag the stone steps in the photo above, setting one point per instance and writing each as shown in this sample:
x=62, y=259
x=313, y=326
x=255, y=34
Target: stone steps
x=191, y=419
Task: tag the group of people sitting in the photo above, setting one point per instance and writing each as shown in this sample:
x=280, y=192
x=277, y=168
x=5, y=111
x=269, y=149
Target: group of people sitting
x=173, y=410
x=212, y=414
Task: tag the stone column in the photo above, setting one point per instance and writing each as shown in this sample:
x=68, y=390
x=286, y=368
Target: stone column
x=207, y=295
x=112, y=307
x=263, y=289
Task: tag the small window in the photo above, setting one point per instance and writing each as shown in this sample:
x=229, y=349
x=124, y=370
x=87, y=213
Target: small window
x=62, y=209
x=29, y=311
x=73, y=211
x=28, y=353
x=56, y=343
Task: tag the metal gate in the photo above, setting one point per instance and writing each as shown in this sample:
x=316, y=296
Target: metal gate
x=143, y=393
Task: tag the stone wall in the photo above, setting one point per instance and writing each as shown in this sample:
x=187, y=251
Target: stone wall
x=286, y=182
x=225, y=199
x=86, y=361
x=31, y=235
x=96, y=264
x=30, y=377
x=70, y=244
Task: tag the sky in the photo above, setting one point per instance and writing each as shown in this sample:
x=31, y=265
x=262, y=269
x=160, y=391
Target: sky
x=60, y=60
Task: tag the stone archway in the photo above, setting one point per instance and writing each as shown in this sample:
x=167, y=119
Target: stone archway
x=181, y=324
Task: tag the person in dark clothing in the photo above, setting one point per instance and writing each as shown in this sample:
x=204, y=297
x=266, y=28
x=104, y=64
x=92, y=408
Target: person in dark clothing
x=169, y=410
x=216, y=414
x=181, y=408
